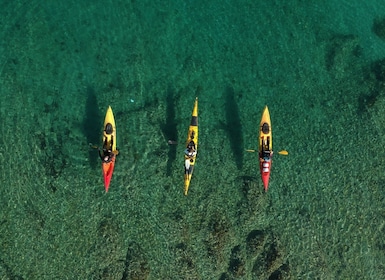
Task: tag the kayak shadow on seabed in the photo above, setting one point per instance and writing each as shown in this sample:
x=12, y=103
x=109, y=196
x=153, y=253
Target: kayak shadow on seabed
x=233, y=126
x=91, y=127
x=169, y=128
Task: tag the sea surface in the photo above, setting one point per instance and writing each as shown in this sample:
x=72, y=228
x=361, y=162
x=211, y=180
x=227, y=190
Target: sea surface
x=318, y=65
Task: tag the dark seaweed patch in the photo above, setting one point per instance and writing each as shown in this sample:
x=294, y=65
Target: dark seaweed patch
x=136, y=265
x=378, y=27
x=340, y=48
x=218, y=234
x=237, y=264
x=378, y=69
x=255, y=241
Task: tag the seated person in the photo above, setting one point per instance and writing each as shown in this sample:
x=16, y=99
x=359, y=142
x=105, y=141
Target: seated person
x=190, y=150
x=106, y=154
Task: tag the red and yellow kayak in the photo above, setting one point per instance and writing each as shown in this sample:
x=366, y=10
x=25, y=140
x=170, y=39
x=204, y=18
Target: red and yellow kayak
x=191, y=148
x=109, y=137
x=265, y=147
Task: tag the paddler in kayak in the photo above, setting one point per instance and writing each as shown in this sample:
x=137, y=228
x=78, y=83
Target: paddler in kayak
x=190, y=150
x=265, y=156
x=265, y=148
x=266, y=153
x=106, y=154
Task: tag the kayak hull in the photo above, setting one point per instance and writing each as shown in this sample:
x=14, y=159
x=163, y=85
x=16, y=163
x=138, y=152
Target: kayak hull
x=192, y=135
x=265, y=147
x=108, y=168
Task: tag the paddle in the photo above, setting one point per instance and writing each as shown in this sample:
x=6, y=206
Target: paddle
x=283, y=152
x=93, y=146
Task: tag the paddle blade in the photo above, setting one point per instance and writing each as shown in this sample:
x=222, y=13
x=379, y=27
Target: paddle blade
x=93, y=146
x=283, y=152
x=251, y=151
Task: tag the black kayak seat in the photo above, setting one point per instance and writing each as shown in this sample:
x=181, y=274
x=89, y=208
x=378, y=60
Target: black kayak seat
x=265, y=128
x=108, y=129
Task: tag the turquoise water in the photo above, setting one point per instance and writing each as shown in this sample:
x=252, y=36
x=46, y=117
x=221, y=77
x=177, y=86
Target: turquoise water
x=319, y=67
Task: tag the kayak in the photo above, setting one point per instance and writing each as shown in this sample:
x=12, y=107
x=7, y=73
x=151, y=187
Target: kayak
x=265, y=147
x=108, y=168
x=191, y=148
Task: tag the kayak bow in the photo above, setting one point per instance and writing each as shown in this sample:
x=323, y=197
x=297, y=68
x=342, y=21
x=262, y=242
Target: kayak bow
x=109, y=137
x=265, y=147
x=191, y=148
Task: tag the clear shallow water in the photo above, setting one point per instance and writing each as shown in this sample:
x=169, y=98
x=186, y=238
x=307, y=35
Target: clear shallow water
x=319, y=69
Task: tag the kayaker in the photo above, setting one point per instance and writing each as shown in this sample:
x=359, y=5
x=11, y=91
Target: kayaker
x=190, y=150
x=106, y=154
x=266, y=155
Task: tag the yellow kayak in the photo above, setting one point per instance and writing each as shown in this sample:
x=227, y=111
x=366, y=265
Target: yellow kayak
x=265, y=147
x=191, y=148
x=109, y=144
